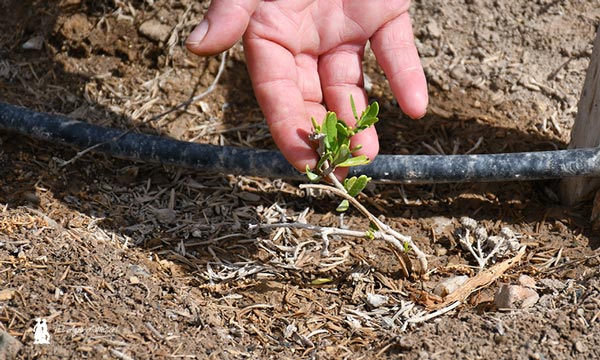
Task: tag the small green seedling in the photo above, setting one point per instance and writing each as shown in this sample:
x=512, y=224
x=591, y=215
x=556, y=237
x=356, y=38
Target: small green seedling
x=333, y=146
x=332, y=139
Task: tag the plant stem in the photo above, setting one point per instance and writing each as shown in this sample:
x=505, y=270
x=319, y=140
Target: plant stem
x=387, y=233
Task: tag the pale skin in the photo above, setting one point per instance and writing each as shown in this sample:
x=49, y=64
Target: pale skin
x=305, y=57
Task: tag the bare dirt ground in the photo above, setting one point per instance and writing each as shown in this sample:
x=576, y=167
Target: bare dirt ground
x=129, y=260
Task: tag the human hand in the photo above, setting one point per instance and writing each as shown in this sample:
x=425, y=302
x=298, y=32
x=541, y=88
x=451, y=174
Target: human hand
x=305, y=57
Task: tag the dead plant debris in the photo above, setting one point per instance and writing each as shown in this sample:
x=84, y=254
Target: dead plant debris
x=127, y=260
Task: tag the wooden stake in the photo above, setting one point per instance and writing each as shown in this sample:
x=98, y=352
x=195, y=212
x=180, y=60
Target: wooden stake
x=586, y=130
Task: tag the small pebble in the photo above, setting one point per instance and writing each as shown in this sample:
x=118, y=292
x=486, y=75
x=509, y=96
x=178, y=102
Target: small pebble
x=376, y=300
x=165, y=216
x=580, y=347
x=440, y=251
x=204, y=106
x=35, y=43
x=433, y=29
x=527, y=281
x=440, y=224
x=9, y=346
x=155, y=30
x=515, y=297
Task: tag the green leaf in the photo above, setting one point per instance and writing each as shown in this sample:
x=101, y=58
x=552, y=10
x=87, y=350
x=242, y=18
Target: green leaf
x=371, y=111
x=321, y=281
x=311, y=175
x=353, y=107
x=316, y=126
x=355, y=161
x=366, y=123
x=356, y=148
x=330, y=128
x=344, y=141
x=370, y=234
x=373, y=227
x=342, y=129
x=368, y=117
x=348, y=183
x=358, y=185
x=343, y=206
x=343, y=154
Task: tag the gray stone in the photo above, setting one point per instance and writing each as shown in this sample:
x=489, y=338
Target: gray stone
x=155, y=30
x=9, y=346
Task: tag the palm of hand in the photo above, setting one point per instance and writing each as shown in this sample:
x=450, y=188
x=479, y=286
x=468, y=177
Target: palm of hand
x=305, y=56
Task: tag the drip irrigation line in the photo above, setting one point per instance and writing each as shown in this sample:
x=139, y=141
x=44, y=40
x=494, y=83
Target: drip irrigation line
x=266, y=163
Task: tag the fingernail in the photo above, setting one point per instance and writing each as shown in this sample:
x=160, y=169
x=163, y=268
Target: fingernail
x=198, y=34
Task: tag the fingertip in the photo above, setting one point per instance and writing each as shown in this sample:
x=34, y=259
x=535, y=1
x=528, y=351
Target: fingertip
x=223, y=26
x=396, y=52
x=299, y=156
x=414, y=100
x=194, y=39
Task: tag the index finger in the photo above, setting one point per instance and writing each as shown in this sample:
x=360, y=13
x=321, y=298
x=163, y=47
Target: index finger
x=395, y=50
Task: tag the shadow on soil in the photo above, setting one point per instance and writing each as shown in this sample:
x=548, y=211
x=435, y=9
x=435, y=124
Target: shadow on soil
x=86, y=185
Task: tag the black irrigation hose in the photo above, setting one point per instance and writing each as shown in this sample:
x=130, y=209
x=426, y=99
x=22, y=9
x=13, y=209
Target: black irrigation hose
x=240, y=161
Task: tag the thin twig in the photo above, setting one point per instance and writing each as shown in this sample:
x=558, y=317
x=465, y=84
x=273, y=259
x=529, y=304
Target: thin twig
x=478, y=252
x=120, y=355
x=482, y=279
x=436, y=313
x=316, y=228
x=476, y=146
x=324, y=231
x=387, y=233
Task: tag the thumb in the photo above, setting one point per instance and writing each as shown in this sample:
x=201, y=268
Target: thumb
x=224, y=24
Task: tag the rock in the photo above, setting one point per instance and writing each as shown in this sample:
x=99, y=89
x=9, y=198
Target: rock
x=580, y=347
x=450, y=285
x=9, y=346
x=155, y=30
x=35, y=43
x=552, y=284
x=527, y=281
x=204, y=106
x=165, y=216
x=515, y=297
x=433, y=29
x=376, y=300
x=7, y=294
x=440, y=224
x=440, y=251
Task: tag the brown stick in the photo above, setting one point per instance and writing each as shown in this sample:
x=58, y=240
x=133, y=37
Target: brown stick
x=480, y=280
